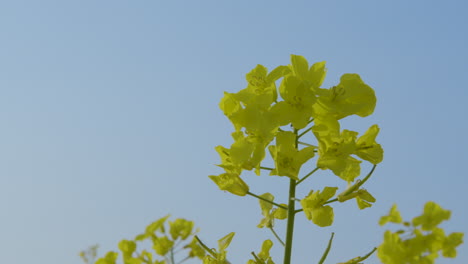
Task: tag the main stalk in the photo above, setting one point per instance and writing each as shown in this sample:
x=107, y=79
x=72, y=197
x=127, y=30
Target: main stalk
x=291, y=213
x=290, y=226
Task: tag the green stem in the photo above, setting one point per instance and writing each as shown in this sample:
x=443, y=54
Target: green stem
x=303, y=133
x=266, y=200
x=205, y=247
x=291, y=215
x=305, y=177
x=185, y=259
x=331, y=201
x=368, y=176
x=276, y=235
x=266, y=168
x=368, y=254
x=305, y=144
x=255, y=257
x=177, y=245
x=358, y=183
x=359, y=259
x=325, y=254
x=172, y=256
x=290, y=224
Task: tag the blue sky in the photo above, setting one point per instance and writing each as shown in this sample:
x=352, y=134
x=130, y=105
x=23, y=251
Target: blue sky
x=109, y=117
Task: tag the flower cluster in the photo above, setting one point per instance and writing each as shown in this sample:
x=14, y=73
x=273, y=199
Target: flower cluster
x=419, y=241
x=263, y=121
x=265, y=116
x=166, y=239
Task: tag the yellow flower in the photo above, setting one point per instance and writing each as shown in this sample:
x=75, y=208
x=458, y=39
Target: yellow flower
x=231, y=182
x=314, y=208
x=288, y=160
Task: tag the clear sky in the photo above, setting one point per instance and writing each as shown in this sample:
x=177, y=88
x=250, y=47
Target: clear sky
x=109, y=117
